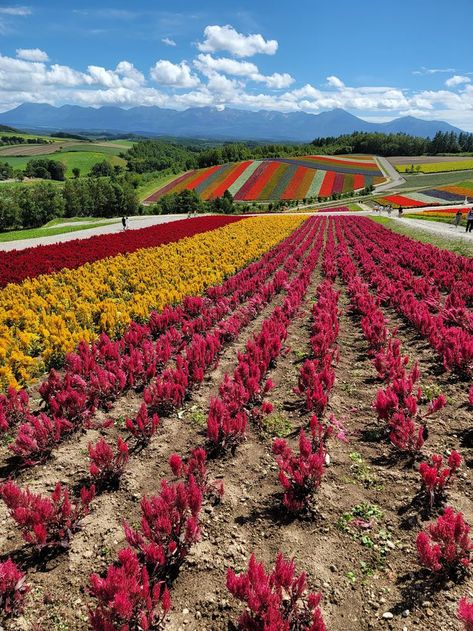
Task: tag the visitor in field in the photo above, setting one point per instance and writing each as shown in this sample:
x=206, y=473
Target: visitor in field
x=399, y=211
x=469, y=220
x=124, y=223
x=458, y=218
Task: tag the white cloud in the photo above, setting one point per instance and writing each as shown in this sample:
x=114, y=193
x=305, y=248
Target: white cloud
x=168, y=41
x=335, y=82
x=15, y=11
x=227, y=38
x=175, y=75
x=208, y=65
x=427, y=71
x=457, y=80
x=31, y=54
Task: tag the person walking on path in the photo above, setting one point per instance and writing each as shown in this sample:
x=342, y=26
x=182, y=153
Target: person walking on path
x=124, y=223
x=469, y=220
x=458, y=218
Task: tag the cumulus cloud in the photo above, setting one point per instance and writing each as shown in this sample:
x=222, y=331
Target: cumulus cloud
x=335, y=82
x=208, y=65
x=175, y=75
x=32, y=54
x=457, y=80
x=227, y=38
x=168, y=41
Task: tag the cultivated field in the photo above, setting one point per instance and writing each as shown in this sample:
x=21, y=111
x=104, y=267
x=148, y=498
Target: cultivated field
x=278, y=179
x=237, y=387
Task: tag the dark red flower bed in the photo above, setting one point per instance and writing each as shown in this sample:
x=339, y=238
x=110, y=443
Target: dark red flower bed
x=17, y=265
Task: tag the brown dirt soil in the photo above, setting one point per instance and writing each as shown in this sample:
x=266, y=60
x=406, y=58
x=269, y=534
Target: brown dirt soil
x=361, y=580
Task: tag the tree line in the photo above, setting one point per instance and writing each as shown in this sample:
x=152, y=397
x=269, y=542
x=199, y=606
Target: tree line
x=33, y=206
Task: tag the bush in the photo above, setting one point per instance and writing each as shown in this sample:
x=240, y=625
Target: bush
x=465, y=613
x=12, y=588
x=445, y=547
x=278, y=601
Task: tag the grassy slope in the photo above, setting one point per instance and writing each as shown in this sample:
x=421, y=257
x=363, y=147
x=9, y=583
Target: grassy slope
x=146, y=189
x=445, y=243
x=424, y=217
x=84, y=160
x=17, y=235
x=434, y=179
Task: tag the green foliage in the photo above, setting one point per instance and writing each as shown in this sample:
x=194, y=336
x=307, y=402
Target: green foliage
x=45, y=169
x=6, y=171
x=276, y=424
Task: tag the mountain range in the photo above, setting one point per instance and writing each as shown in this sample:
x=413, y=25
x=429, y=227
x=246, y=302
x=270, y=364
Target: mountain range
x=209, y=122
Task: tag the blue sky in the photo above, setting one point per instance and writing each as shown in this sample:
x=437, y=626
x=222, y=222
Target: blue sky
x=377, y=60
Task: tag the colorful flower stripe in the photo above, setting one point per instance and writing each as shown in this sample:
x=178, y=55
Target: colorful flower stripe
x=348, y=183
x=255, y=191
x=443, y=212
x=17, y=265
x=463, y=191
x=244, y=177
x=292, y=187
x=442, y=194
x=302, y=191
x=425, y=199
x=43, y=318
x=358, y=182
x=338, y=183
x=201, y=176
x=314, y=188
x=248, y=185
x=206, y=187
x=400, y=200
x=231, y=177
x=267, y=192
x=310, y=173
x=170, y=186
x=284, y=180
x=327, y=185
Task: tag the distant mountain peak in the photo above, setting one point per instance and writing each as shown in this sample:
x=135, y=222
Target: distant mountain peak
x=210, y=122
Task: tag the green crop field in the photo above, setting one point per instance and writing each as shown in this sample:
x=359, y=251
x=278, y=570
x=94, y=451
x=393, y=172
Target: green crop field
x=83, y=160
x=434, y=179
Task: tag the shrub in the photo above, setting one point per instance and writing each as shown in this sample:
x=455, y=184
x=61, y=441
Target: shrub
x=126, y=598
x=300, y=475
x=46, y=521
x=446, y=546
x=12, y=588
x=225, y=431
x=38, y=436
x=435, y=478
x=278, y=601
x=14, y=408
x=144, y=426
x=169, y=526
x=107, y=466
x=196, y=466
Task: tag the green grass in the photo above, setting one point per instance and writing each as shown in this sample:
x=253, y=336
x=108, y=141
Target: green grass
x=457, y=246
x=35, y=233
x=83, y=160
x=149, y=187
x=433, y=179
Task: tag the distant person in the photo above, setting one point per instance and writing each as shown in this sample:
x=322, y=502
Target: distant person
x=124, y=223
x=389, y=210
x=469, y=220
x=399, y=211
x=458, y=218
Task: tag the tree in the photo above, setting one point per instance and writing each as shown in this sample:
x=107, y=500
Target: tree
x=101, y=169
x=76, y=172
x=9, y=213
x=6, y=171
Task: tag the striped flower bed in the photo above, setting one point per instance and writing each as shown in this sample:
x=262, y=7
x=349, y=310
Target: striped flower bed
x=430, y=196
x=279, y=178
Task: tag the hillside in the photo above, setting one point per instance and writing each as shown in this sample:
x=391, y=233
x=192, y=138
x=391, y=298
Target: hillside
x=278, y=179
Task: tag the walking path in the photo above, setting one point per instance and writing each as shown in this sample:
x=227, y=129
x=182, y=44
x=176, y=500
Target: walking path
x=437, y=227
x=395, y=177
x=133, y=224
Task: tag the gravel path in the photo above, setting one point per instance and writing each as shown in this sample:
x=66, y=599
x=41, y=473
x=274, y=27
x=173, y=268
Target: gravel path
x=437, y=227
x=133, y=224
x=396, y=178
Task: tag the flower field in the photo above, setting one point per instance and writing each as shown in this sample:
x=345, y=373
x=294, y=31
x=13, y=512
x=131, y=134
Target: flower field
x=275, y=179
x=264, y=425
x=430, y=196
x=438, y=167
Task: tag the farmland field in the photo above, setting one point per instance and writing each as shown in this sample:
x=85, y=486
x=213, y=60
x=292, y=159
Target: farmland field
x=437, y=167
x=83, y=159
x=236, y=386
x=278, y=179
x=454, y=193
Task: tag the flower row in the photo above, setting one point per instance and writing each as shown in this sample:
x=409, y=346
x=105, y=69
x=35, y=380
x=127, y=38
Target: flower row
x=44, y=318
